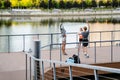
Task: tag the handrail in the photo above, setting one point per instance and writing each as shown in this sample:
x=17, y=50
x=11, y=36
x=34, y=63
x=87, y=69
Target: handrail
x=95, y=52
x=87, y=42
x=51, y=36
x=39, y=65
x=59, y=33
x=88, y=66
x=78, y=42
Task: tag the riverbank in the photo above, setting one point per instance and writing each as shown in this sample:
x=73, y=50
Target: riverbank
x=39, y=13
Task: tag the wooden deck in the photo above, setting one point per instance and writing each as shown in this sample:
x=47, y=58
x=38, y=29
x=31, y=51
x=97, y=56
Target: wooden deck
x=14, y=63
x=63, y=72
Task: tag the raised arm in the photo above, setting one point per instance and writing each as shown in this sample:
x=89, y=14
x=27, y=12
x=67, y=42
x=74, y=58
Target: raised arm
x=88, y=24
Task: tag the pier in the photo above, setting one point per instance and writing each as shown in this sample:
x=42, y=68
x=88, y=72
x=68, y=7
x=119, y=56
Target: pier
x=15, y=63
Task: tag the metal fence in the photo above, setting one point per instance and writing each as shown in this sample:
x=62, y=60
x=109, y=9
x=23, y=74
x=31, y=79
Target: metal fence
x=37, y=70
x=22, y=42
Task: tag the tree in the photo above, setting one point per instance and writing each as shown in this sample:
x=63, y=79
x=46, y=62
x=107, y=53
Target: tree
x=54, y=4
x=43, y=4
x=108, y=3
x=83, y=3
x=7, y=4
x=0, y=4
x=62, y=4
x=75, y=4
x=94, y=4
x=50, y=4
x=69, y=4
x=115, y=3
x=101, y=3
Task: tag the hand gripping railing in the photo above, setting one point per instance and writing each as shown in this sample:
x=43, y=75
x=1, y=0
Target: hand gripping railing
x=54, y=63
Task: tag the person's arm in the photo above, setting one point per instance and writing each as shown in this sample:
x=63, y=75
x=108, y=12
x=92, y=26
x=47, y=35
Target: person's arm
x=88, y=24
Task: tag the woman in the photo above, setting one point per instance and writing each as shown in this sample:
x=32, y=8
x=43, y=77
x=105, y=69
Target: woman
x=80, y=38
x=85, y=40
x=63, y=32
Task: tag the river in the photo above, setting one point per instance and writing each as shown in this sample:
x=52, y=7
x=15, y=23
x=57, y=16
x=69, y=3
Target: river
x=42, y=25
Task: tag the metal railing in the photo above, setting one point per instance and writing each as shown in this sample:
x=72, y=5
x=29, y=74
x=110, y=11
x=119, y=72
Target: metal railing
x=109, y=51
x=40, y=74
x=21, y=40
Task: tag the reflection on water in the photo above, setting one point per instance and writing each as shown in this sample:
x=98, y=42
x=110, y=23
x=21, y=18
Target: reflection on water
x=40, y=25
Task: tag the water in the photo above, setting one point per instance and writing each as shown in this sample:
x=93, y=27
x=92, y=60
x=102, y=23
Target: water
x=40, y=25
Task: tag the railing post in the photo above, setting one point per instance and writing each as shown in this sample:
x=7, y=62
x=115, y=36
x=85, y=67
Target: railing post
x=30, y=69
x=112, y=35
x=26, y=65
x=70, y=72
x=96, y=75
x=8, y=44
x=76, y=38
x=100, y=39
x=111, y=51
x=38, y=56
x=60, y=54
x=23, y=43
x=42, y=70
x=50, y=52
x=54, y=71
x=51, y=40
x=38, y=36
x=51, y=46
x=95, y=51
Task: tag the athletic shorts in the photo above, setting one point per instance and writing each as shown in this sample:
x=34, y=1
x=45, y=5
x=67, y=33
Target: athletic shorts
x=85, y=42
x=80, y=40
x=63, y=39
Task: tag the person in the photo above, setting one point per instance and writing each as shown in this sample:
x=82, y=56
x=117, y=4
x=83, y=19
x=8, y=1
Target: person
x=80, y=38
x=76, y=58
x=70, y=60
x=63, y=32
x=85, y=40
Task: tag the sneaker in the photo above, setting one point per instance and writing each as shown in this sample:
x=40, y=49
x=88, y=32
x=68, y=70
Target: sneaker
x=86, y=55
x=65, y=53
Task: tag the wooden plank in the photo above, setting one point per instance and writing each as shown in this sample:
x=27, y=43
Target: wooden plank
x=63, y=72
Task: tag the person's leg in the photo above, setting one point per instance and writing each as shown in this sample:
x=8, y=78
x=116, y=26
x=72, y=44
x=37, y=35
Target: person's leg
x=85, y=51
x=85, y=44
x=79, y=46
x=63, y=47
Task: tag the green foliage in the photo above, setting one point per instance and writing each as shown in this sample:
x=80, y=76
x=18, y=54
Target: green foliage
x=55, y=4
x=62, y=4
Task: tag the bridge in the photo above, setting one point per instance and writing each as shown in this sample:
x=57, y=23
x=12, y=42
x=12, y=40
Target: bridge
x=50, y=64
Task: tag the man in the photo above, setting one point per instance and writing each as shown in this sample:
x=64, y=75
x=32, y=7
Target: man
x=63, y=33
